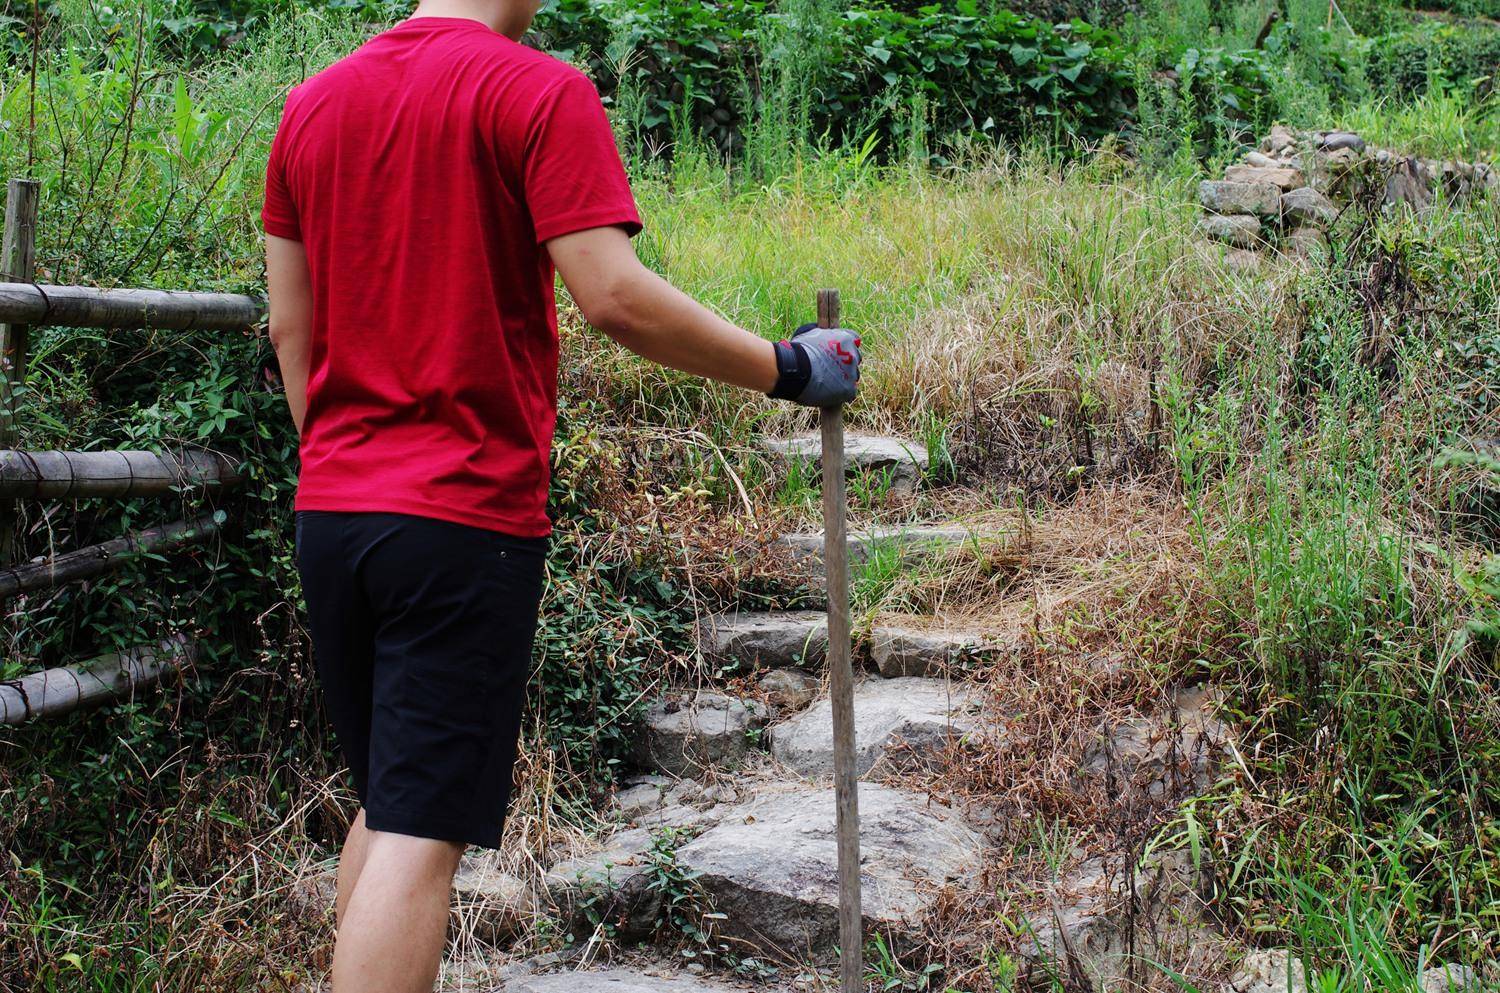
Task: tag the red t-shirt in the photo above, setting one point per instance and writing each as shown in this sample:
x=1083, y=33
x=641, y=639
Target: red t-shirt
x=423, y=174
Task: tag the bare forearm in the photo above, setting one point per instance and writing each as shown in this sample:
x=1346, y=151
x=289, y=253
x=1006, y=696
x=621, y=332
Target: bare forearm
x=660, y=323
x=291, y=355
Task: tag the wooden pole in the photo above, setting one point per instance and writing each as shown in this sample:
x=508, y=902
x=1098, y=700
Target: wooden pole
x=106, y=556
x=58, y=475
x=18, y=264
x=841, y=677
x=91, y=307
x=109, y=677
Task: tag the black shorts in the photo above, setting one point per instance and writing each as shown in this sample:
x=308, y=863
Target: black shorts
x=422, y=634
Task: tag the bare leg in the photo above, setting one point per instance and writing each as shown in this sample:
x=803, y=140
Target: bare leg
x=394, y=924
x=351, y=861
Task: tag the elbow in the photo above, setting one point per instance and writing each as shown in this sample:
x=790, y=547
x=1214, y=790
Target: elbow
x=284, y=335
x=612, y=309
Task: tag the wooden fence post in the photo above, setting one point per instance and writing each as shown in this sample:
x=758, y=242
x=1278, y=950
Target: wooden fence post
x=17, y=265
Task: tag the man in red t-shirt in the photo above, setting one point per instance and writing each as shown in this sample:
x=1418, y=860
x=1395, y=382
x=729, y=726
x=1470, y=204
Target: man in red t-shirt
x=418, y=196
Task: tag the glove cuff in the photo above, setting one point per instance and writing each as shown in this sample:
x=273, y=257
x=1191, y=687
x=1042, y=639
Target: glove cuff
x=793, y=370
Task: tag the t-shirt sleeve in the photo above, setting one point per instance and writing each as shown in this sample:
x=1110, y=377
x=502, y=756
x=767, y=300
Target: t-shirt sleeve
x=278, y=214
x=571, y=169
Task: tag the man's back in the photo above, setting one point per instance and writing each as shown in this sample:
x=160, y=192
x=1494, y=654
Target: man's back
x=422, y=174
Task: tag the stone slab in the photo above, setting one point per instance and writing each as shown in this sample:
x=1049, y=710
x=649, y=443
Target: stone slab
x=904, y=458
x=907, y=541
x=795, y=639
x=907, y=718
x=490, y=903
x=1238, y=230
x=789, y=689
x=771, y=866
x=915, y=651
x=616, y=981
x=686, y=733
x=1225, y=197
x=1282, y=177
x=1307, y=207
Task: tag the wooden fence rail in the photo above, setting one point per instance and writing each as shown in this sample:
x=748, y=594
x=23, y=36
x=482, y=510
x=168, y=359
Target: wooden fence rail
x=106, y=556
x=109, y=677
x=50, y=475
x=53, y=475
x=39, y=305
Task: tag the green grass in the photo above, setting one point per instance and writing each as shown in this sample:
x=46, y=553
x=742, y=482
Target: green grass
x=1019, y=310
x=1435, y=124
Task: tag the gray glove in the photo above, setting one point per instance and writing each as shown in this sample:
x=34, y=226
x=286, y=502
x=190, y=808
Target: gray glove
x=818, y=367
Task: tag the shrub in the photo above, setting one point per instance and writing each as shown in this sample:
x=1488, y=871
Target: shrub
x=1445, y=56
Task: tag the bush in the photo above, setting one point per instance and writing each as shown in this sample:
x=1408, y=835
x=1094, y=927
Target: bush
x=997, y=73
x=1445, y=56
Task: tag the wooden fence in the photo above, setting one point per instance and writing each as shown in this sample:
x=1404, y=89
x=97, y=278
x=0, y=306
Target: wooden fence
x=50, y=475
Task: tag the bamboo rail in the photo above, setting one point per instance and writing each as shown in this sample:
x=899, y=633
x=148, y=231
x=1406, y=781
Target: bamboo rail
x=106, y=556
x=52, y=474
x=109, y=677
x=39, y=305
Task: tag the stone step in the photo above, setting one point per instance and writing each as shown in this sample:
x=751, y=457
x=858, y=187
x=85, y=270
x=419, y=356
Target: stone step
x=798, y=639
x=686, y=733
x=786, y=639
x=489, y=903
x=903, y=458
x=910, y=649
x=906, y=541
x=896, y=722
x=770, y=866
x=616, y=981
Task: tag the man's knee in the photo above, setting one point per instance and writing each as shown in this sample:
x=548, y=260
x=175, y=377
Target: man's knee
x=419, y=856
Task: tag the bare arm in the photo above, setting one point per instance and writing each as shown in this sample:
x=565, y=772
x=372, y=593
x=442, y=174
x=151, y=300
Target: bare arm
x=646, y=314
x=290, y=289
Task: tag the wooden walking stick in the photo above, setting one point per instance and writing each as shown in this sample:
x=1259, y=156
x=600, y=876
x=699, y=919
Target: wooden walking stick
x=841, y=677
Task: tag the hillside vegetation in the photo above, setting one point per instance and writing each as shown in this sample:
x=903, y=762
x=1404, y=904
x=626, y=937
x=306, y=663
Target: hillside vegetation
x=1279, y=483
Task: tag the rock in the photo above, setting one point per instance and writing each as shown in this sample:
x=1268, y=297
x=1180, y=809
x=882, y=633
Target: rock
x=489, y=903
x=617, y=981
x=1306, y=207
x=1173, y=751
x=904, y=459
x=612, y=886
x=1335, y=141
x=1225, y=197
x=1280, y=139
x=908, y=542
x=314, y=890
x=1279, y=176
x=637, y=799
x=789, y=689
x=687, y=733
x=911, y=651
x=1409, y=183
x=1238, y=230
x=894, y=719
x=771, y=866
x=1261, y=161
x=1270, y=970
x=1099, y=923
x=1307, y=242
x=1244, y=261
x=1450, y=978
x=754, y=640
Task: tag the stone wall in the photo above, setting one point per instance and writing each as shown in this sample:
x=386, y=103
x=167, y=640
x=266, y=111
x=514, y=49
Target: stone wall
x=1287, y=192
